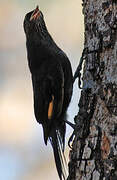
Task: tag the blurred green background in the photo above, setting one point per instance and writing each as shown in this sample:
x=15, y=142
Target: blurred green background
x=23, y=155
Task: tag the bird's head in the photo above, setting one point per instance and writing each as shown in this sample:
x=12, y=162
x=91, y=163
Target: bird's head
x=34, y=23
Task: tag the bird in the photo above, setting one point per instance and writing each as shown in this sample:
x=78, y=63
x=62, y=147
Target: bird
x=52, y=82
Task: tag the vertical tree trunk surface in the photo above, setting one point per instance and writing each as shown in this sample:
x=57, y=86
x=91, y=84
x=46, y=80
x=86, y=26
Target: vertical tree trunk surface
x=94, y=149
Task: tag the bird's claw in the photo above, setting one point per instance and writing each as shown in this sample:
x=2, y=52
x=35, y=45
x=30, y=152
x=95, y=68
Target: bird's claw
x=70, y=140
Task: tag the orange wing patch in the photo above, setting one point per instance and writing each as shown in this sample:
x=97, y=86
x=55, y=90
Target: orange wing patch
x=50, y=108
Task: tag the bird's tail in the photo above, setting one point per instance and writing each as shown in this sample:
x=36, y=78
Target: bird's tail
x=57, y=142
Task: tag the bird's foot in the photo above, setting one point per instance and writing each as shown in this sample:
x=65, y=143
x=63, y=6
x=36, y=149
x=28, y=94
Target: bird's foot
x=79, y=68
x=73, y=134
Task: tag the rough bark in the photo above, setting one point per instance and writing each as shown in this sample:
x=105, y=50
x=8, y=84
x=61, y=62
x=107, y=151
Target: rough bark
x=94, y=149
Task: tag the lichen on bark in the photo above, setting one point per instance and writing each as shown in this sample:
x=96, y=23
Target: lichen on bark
x=94, y=150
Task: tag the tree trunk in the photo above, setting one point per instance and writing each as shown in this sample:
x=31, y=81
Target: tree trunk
x=94, y=149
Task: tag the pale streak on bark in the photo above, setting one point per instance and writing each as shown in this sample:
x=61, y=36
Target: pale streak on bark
x=94, y=153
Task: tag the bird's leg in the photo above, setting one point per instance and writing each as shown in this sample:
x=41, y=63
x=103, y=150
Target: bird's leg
x=73, y=134
x=71, y=124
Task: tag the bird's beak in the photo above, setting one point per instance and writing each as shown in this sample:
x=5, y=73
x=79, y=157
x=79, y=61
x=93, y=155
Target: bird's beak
x=35, y=14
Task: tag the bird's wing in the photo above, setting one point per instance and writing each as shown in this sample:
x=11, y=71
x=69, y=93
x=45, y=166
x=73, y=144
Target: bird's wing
x=56, y=94
x=48, y=94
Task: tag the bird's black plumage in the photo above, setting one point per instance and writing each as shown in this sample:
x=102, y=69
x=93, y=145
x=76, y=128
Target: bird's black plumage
x=52, y=83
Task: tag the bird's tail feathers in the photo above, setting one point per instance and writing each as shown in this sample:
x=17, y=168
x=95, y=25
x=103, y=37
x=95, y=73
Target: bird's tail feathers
x=60, y=161
x=62, y=152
